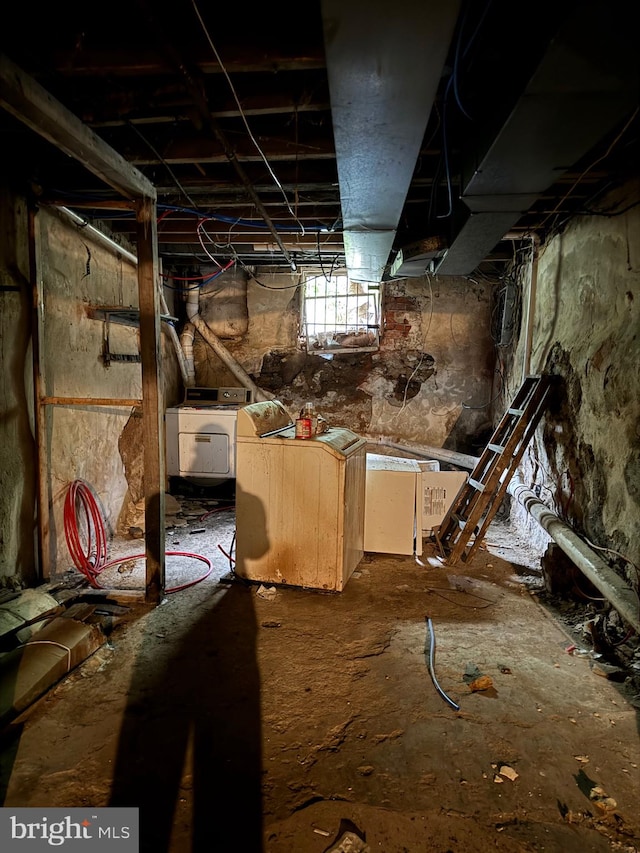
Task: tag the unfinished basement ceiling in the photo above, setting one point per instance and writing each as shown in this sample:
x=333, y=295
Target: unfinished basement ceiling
x=407, y=137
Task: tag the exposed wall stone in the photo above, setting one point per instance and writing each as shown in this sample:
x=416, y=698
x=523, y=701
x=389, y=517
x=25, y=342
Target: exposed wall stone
x=586, y=452
x=431, y=381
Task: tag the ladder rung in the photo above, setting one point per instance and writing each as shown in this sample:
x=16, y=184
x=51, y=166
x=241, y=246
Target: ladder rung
x=473, y=514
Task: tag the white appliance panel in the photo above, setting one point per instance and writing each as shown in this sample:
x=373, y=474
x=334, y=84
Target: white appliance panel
x=203, y=453
x=439, y=489
x=393, y=509
x=201, y=441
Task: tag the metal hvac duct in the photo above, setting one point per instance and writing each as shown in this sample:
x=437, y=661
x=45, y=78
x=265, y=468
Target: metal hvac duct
x=584, y=86
x=384, y=64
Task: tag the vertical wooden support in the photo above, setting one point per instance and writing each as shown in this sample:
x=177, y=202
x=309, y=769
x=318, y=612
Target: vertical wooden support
x=152, y=397
x=40, y=410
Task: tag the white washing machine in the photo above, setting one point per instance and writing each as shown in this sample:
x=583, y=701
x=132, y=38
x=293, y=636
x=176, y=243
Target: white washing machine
x=201, y=434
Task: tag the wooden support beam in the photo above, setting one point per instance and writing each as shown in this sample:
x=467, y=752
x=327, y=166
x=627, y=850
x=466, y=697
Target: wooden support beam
x=40, y=414
x=90, y=401
x=26, y=99
x=152, y=398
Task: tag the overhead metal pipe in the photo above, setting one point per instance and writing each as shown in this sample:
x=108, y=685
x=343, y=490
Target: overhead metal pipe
x=605, y=579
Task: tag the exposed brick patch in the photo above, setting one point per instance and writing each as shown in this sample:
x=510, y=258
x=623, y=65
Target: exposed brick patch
x=401, y=303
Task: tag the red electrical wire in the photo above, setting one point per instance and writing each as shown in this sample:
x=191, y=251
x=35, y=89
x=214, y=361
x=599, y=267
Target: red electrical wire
x=92, y=560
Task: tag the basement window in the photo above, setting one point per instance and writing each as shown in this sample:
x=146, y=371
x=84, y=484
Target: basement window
x=339, y=315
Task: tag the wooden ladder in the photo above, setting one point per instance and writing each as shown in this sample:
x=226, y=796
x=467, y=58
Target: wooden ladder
x=464, y=525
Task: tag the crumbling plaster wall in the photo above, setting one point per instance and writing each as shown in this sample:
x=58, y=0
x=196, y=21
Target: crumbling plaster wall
x=17, y=450
x=76, y=272
x=585, y=457
x=429, y=383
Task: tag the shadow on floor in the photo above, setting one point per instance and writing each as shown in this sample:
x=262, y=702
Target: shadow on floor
x=189, y=751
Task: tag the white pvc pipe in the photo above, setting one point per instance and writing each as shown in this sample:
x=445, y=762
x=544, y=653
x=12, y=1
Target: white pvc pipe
x=530, y=310
x=225, y=356
x=99, y=236
x=604, y=578
x=186, y=344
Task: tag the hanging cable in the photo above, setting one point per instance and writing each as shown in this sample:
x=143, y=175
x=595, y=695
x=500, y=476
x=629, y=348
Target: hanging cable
x=243, y=117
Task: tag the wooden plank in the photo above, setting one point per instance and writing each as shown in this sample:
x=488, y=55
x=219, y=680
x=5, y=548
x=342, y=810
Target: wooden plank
x=29, y=102
x=152, y=398
x=90, y=401
x=43, y=544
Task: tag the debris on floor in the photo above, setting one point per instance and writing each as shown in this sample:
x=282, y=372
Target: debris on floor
x=349, y=840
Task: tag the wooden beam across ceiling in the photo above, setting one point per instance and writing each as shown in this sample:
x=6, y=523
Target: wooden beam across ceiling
x=25, y=99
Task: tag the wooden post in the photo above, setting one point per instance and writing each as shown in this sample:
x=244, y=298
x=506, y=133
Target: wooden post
x=152, y=397
x=40, y=412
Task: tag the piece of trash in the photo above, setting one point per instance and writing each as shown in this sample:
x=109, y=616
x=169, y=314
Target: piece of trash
x=570, y=649
x=321, y=832
x=349, y=839
x=498, y=779
x=583, y=759
x=471, y=672
x=508, y=772
x=505, y=670
x=268, y=592
x=602, y=800
x=480, y=684
x=198, y=530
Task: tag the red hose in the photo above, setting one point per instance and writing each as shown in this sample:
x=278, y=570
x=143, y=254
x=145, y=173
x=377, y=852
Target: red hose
x=119, y=560
x=91, y=560
x=88, y=559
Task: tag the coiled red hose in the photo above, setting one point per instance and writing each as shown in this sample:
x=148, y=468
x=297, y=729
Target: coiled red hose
x=91, y=559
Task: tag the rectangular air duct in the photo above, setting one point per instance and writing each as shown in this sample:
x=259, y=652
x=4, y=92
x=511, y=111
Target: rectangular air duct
x=586, y=83
x=384, y=63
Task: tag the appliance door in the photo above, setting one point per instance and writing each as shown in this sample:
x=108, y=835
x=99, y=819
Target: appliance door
x=201, y=442
x=203, y=453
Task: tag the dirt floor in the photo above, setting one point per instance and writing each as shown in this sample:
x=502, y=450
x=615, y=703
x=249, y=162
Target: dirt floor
x=245, y=718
